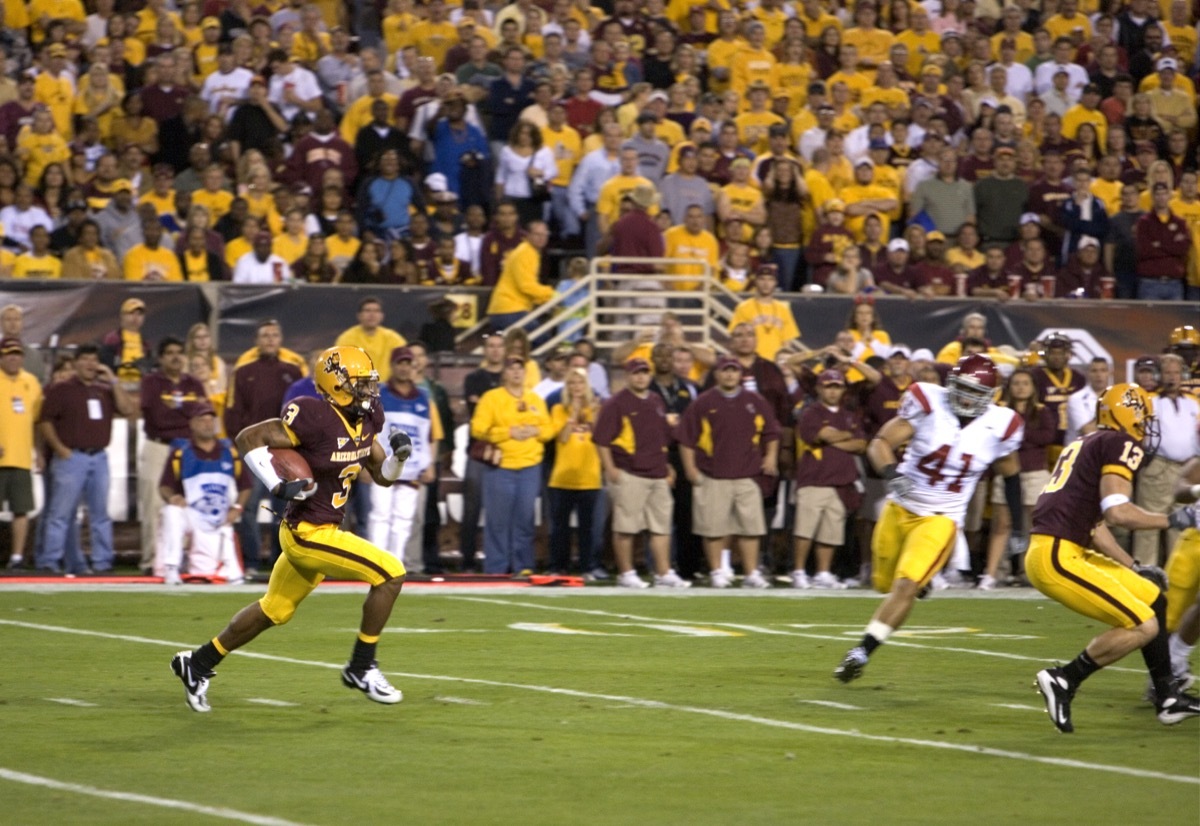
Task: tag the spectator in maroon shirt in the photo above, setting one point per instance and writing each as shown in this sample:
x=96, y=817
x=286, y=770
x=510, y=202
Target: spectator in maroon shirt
x=498, y=242
x=164, y=100
x=828, y=436
x=1163, y=242
x=934, y=276
x=319, y=150
x=979, y=163
x=1081, y=277
x=582, y=109
x=166, y=393
x=423, y=92
x=897, y=276
x=828, y=240
x=633, y=435
x=19, y=112
x=1048, y=194
x=727, y=438
x=990, y=280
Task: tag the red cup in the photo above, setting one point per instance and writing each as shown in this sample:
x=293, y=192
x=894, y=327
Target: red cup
x=1108, y=287
x=960, y=284
x=1014, y=285
x=1048, y=282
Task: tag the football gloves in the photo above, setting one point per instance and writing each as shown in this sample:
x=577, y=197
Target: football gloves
x=1153, y=573
x=897, y=485
x=401, y=445
x=296, y=490
x=1185, y=518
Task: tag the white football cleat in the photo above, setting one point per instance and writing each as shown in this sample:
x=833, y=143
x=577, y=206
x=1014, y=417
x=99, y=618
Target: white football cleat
x=195, y=687
x=372, y=683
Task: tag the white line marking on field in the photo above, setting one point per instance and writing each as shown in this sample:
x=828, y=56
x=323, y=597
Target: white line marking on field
x=130, y=797
x=682, y=630
x=461, y=701
x=557, y=628
x=832, y=704
x=67, y=701
x=758, y=629
x=730, y=716
x=267, y=701
x=402, y=630
x=1018, y=706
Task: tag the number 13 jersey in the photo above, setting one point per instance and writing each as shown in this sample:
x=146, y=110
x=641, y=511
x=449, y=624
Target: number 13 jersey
x=945, y=460
x=1069, y=506
x=335, y=450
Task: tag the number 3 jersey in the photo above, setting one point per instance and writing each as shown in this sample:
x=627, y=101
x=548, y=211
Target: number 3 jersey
x=945, y=460
x=1069, y=506
x=336, y=451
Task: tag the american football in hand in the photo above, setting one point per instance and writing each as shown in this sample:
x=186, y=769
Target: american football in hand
x=289, y=464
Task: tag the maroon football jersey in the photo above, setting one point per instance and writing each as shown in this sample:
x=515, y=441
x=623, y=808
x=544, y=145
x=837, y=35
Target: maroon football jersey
x=335, y=449
x=1054, y=392
x=1069, y=506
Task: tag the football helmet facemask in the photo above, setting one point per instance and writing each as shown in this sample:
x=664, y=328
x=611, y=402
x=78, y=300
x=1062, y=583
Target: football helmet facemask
x=1129, y=409
x=348, y=379
x=972, y=383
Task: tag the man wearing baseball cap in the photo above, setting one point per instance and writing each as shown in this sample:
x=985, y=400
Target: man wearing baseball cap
x=204, y=487
x=124, y=350
x=728, y=438
x=20, y=405
x=1162, y=242
x=1000, y=199
x=1170, y=103
x=633, y=434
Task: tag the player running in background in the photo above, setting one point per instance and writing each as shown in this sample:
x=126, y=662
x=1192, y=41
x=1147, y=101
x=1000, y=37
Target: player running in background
x=954, y=434
x=336, y=435
x=1183, y=582
x=1088, y=491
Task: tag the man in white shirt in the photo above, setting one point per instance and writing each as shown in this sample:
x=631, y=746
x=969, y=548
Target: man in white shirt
x=556, y=371
x=1178, y=416
x=814, y=138
x=1043, y=78
x=1081, y=405
x=293, y=89
x=20, y=217
x=228, y=86
x=260, y=265
x=1018, y=80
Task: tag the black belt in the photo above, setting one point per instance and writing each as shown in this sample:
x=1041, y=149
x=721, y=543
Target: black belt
x=1161, y=279
x=89, y=451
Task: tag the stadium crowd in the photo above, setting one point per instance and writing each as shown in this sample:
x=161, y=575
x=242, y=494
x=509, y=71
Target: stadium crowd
x=961, y=147
x=930, y=148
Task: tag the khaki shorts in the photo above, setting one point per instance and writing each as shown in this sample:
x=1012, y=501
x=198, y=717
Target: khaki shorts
x=641, y=504
x=1032, y=482
x=820, y=515
x=727, y=507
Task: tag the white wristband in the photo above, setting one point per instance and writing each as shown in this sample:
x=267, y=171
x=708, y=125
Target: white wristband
x=259, y=462
x=1112, y=501
x=1194, y=490
x=391, y=468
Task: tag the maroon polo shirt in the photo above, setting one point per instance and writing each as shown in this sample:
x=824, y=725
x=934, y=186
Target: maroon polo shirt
x=258, y=389
x=820, y=465
x=636, y=235
x=637, y=433
x=493, y=249
x=882, y=404
x=729, y=433
x=163, y=403
x=81, y=413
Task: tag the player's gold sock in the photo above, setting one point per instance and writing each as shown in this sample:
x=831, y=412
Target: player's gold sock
x=207, y=657
x=364, y=652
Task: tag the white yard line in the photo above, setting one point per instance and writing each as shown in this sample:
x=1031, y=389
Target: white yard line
x=1018, y=706
x=267, y=701
x=729, y=716
x=460, y=701
x=832, y=704
x=67, y=701
x=758, y=629
x=131, y=797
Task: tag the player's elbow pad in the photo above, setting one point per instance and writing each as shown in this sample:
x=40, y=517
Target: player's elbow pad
x=259, y=462
x=391, y=468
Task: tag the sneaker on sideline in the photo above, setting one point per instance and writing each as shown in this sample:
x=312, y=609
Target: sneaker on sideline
x=372, y=683
x=755, y=580
x=939, y=583
x=827, y=581
x=800, y=580
x=171, y=576
x=630, y=579
x=596, y=575
x=671, y=580
x=986, y=583
x=719, y=579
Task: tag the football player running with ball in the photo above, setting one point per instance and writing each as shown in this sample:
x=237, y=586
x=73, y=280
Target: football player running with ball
x=1088, y=491
x=336, y=435
x=954, y=434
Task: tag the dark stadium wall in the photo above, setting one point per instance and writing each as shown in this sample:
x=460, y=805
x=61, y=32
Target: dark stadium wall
x=313, y=315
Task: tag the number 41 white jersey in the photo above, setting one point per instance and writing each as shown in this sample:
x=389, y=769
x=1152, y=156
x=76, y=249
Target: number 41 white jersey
x=945, y=460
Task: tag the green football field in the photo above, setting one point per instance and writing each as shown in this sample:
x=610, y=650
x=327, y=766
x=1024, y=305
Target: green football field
x=574, y=706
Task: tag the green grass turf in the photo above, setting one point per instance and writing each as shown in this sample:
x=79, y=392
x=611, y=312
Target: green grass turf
x=519, y=755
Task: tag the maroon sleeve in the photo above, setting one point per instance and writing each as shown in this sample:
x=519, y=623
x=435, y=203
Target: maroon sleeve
x=689, y=425
x=52, y=404
x=169, y=479
x=810, y=422
x=607, y=423
x=771, y=423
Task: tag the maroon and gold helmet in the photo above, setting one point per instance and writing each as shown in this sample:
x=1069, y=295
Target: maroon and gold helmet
x=972, y=383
